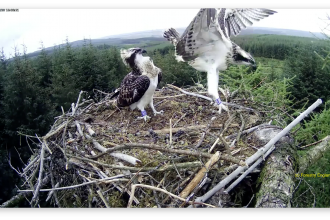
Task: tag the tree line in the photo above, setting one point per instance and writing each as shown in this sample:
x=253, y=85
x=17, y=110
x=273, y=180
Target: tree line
x=277, y=47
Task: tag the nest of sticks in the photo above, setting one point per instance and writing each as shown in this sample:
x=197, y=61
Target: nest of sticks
x=99, y=155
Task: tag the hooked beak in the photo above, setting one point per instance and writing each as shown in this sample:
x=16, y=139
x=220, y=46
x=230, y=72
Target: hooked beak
x=141, y=51
x=253, y=63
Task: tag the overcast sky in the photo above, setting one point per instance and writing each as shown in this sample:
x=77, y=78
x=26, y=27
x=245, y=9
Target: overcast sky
x=52, y=26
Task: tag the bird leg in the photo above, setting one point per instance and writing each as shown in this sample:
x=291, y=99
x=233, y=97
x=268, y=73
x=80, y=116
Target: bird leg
x=154, y=110
x=212, y=88
x=144, y=115
x=221, y=105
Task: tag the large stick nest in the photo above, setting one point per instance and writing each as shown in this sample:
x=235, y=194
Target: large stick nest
x=99, y=151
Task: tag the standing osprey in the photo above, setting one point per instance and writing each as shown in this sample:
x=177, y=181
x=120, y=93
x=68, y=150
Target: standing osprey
x=138, y=87
x=206, y=44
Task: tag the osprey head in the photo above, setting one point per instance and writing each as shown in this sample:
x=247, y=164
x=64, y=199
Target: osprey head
x=241, y=57
x=131, y=57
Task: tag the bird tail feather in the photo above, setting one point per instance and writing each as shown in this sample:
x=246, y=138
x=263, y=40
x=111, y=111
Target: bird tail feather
x=172, y=35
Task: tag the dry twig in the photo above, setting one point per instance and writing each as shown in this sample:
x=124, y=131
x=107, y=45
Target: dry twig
x=36, y=191
x=199, y=176
x=160, y=190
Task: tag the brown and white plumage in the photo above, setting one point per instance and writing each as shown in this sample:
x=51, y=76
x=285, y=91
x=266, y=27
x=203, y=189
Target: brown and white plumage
x=138, y=87
x=206, y=44
x=132, y=89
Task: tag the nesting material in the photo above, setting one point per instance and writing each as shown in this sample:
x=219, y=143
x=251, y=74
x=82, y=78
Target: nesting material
x=100, y=151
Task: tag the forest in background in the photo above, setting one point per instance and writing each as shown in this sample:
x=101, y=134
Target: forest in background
x=34, y=90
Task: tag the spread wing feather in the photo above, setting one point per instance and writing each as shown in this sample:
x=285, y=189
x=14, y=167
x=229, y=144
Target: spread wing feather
x=198, y=34
x=203, y=30
x=132, y=88
x=239, y=18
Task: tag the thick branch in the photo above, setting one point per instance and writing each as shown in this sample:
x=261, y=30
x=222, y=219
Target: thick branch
x=286, y=130
x=75, y=107
x=189, y=93
x=277, y=176
x=160, y=190
x=157, y=147
x=58, y=129
x=36, y=192
x=259, y=153
x=168, y=167
x=314, y=154
x=208, y=98
x=127, y=158
x=188, y=128
x=14, y=201
x=200, y=175
x=106, y=180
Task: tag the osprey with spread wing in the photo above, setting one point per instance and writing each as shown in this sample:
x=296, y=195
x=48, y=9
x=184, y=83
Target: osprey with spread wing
x=138, y=87
x=206, y=44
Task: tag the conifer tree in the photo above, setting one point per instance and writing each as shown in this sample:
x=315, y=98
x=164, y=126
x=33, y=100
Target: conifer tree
x=326, y=56
x=113, y=68
x=3, y=68
x=310, y=80
x=179, y=73
x=6, y=174
x=63, y=88
x=89, y=74
x=18, y=89
x=23, y=110
x=44, y=67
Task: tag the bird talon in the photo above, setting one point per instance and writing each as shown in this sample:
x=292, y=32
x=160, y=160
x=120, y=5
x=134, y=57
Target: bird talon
x=222, y=106
x=158, y=113
x=146, y=117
